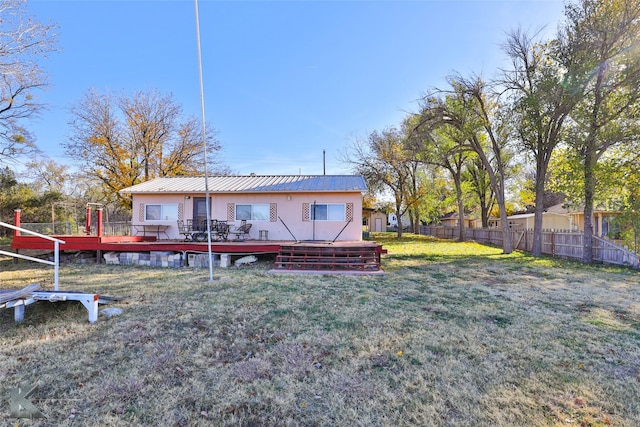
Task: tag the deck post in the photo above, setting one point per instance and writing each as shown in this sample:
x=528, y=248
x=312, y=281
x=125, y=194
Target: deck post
x=87, y=222
x=16, y=221
x=100, y=222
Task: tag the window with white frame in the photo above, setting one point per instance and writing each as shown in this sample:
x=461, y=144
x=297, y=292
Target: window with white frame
x=252, y=212
x=161, y=212
x=328, y=212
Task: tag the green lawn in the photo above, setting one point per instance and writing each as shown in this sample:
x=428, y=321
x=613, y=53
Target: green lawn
x=455, y=334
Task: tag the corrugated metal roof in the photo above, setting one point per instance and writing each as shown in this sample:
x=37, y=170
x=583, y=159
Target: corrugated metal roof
x=251, y=184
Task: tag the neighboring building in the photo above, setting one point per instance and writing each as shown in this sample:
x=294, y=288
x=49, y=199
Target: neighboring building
x=280, y=207
x=604, y=222
x=452, y=219
x=553, y=218
x=475, y=223
x=392, y=220
x=558, y=218
x=374, y=220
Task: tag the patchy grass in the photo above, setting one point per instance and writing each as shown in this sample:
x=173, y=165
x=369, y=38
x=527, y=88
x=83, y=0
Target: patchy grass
x=455, y=334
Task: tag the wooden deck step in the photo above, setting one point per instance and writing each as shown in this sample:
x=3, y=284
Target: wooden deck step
x=365, y=257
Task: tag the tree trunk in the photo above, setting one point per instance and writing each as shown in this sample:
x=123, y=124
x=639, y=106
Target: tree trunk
x=536, y=249
x=507, y=243
x=399, y=218
x=497, y=183
x=589, y=190
x=461, y=236
x=484, y=214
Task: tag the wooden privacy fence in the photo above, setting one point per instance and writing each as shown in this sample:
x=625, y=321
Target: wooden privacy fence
x=563, y=244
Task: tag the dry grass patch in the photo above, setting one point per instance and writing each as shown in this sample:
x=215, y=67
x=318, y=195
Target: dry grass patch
x=455, y=334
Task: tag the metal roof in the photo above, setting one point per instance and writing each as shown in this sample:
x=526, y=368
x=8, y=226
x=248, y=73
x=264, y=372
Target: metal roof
x=251, y=184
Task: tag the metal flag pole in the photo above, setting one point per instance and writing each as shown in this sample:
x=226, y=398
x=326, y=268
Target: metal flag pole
x=207, y=198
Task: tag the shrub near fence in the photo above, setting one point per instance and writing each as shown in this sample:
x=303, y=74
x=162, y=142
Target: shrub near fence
x=563, y=244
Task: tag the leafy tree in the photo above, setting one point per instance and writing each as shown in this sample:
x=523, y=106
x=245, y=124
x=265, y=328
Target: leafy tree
x=122, y=142
x=35, y=204
x=474, y=110
x=478, y=177
x=617, y=184
x=541, y=83
x=383, y=159
x=23, y=43
x=437, y=200
x=48, y=175
x=606, y=33
x=444, y=147
x=419, y=188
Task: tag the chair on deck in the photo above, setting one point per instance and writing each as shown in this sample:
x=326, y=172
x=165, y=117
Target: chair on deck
x=242, y=231
x=186, y=230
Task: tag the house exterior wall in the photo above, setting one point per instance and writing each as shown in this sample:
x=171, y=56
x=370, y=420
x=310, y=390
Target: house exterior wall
x=598, y=219
x=550, y=221
x=293, y=208
x=454, y=221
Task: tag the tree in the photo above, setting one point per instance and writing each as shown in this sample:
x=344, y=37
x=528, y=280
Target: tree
x=606, y=33
x=476, y=112
x=34, y=202
x=444, y=147
x=383, y=159
x=477, y=176
x=48, y=175
x=128, y=140
x=23, y=43
x=543, y=90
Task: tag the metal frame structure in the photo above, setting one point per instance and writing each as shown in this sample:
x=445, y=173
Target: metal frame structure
x=89, y=301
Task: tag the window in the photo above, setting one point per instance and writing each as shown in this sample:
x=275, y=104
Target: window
x=161, y=212
x=327, y=212
x=252, y=212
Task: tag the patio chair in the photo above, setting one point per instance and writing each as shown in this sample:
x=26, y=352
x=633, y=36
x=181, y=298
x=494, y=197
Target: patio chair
x=186, y=230
x=221, y=230
x=242, y=231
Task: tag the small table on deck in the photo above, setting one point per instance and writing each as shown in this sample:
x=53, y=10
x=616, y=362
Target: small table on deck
x=157, y=228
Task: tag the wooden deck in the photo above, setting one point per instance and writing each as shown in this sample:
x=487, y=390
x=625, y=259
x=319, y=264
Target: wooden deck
x=342, y=256
x=151, y=243
x=143, y=244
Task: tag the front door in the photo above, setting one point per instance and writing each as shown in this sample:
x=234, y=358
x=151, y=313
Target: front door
x=199, y=211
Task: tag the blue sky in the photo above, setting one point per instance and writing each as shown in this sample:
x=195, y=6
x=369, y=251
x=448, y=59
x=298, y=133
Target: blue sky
x=283, y=80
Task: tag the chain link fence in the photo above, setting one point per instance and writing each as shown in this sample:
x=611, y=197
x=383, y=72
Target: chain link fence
x=119, y=228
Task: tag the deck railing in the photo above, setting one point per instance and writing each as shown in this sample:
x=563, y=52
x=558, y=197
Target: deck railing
x=56, y=253
x=117, y=228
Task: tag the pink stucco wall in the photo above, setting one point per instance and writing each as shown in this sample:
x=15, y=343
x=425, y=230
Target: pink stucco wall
x=289, y=207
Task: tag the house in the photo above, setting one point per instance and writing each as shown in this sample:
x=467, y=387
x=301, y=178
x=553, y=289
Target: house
x=452, y=219
x=553, y=218
x=279, y=207
x=603, y=221
x=392, y=220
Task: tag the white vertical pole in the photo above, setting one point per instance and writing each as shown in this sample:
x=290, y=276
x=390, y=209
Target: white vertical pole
x=204, y=141
x=56, y=260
